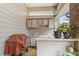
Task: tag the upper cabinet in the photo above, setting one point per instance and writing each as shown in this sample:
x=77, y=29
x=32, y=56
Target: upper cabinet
x=45, y=21
x=29, y=23
x=32, y=23
x=36, y=22
x=40, y=22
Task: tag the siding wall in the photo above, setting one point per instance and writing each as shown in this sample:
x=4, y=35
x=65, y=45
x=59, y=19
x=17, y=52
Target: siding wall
x=41, y=11
x=12, y=20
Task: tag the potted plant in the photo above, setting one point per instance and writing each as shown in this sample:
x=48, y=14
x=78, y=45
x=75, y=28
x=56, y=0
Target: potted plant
x=57, y=34
x=65, y=30
x=58, y=31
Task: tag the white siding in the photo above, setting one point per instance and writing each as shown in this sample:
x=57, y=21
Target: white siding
x=41, y=11
x=12, y=20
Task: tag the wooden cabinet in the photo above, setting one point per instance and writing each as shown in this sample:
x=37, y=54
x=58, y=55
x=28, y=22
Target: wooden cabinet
x=45, y=22
x=32, y=24
x=35, y=23
x=29, y=23
x=40, y=22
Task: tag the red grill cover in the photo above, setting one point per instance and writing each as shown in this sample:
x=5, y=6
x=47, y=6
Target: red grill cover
x=16, y=44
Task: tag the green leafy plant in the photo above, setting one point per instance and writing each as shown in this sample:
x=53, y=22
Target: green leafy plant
x=64, y=28
x=76, y=53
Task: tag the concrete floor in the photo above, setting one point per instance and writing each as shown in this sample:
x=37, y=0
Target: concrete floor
x=32, y=51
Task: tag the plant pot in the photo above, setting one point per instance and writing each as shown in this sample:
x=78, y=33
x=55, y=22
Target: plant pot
x=57, y=34
x=66, y=35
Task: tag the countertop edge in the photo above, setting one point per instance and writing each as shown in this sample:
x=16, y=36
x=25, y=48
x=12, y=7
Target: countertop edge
x=52, y=39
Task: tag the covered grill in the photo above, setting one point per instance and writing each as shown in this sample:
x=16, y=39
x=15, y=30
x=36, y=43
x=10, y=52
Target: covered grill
x=16, y=43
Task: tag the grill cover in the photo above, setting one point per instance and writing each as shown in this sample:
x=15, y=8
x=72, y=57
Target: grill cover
x=16, y=43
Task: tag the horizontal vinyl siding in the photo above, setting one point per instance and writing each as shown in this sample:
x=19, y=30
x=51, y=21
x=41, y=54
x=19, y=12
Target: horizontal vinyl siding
x=12, y=21
x=41, y=11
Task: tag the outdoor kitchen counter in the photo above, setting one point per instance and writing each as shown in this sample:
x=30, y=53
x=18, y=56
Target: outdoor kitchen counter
x=49, y=46
x=54, y=39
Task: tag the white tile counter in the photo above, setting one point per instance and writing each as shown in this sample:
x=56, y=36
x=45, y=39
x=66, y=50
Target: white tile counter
x=48, y=46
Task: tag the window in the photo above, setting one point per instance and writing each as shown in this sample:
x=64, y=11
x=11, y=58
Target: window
x=64, y=19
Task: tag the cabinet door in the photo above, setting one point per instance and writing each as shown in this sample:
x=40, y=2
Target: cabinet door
x=29, y=23
x=40, y=21
x=51, y=23
x=34, y=24
x=45, y=21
